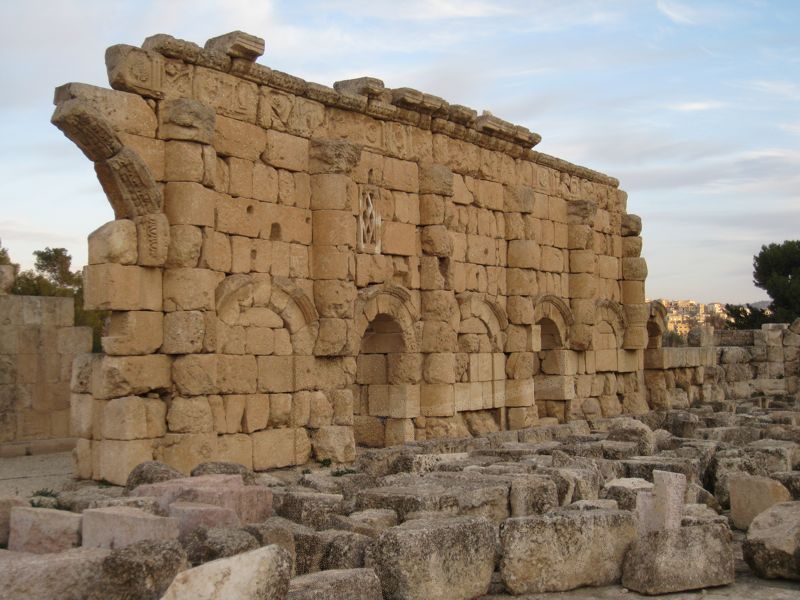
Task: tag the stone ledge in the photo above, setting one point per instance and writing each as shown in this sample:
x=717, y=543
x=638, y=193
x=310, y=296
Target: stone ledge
x=368, y=95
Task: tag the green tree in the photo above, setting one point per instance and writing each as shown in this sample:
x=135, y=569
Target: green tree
x=52, y=275
x=776, y=270
x=746, y=316
x=5, y=259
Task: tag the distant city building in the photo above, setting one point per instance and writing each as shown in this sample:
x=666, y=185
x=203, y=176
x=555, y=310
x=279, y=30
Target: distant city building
x=685, y=315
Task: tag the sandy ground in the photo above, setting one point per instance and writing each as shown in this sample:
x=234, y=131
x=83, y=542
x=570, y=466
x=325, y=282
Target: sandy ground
x=746, y=587
x=21, y=476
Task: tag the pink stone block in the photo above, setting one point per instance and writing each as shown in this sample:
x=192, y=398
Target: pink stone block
x=192, y=515
x=252, y=504
x=68, y=575
x=43, y=530
x=6, y=504
x=120, y=526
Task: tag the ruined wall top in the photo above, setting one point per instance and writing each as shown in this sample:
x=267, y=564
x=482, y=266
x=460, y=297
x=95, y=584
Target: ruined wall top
x=145, y=72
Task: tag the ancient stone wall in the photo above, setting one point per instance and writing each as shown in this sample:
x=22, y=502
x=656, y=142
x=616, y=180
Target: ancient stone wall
x=295, y=269
x=758, y=364
x=726, y=369
x=38, y=343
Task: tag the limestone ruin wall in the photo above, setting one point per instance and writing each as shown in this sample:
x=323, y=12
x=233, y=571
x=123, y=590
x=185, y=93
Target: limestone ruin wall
x=38, y=343
x=296, y=269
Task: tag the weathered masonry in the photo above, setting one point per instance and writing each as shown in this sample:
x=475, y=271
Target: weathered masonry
x=295, y=269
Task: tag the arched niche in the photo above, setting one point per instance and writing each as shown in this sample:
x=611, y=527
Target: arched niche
x=610, y=322
x=386, y=389
x=554, y=363
x=257, y=303
x=557, y=316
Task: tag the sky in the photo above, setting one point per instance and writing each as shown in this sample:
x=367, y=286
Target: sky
x=693, y=105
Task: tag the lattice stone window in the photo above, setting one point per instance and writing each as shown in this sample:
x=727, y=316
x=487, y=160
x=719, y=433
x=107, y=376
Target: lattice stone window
x=369, y=222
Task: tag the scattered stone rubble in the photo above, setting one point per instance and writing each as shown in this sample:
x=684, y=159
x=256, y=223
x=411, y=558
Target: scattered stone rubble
x=546, y=509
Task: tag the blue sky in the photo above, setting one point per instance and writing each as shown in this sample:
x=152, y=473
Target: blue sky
x=694, y=106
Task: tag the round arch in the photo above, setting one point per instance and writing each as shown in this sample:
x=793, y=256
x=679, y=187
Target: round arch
x=553, y=308
x=489, y=313
x=386, y=299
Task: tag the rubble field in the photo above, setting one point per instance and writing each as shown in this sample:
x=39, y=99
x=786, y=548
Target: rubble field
x=669, y=501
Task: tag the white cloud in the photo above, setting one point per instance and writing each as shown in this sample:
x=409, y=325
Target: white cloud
x=786, y=89
x=791, y=127
x=677, y=13
x=696, y=106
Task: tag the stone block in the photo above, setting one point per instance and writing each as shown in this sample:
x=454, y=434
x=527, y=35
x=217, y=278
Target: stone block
x=256, y=412
x=399, y=238
x=121, y=526
x=43, y=530
x=275, y=374
x=659, y=563
x=524, y=254
x=115, y=242
x=625, y=490
x=153, y=239
x=293, y=225
x=437, y=400
x=334, y=228
x=188, y=203
x=125, y=112
x=276, y=448
x=251, y=504
x=69, y=575
x=311, y=509
x=132, y=417
x=520, y=392
x=662, y=508
x=435, y=179
x=117, y=458
x=133, y=333
x=116, y=376
x=6, y=504
x=230, y=96
x=262, y=573
x=335, y=443
x=333, y=191
x=186, y=119
x=233, y=137
x=183, y=332
x=191, y=515
x=398, y=431
x=566, y=550
x=401, y=175
x=750, y=496
x=129, y=185
x=236, y=374
x=554, y=387
x=464, y=551
x=120, y=287
x=190, y=415
x=773, y=542
x=183, y=161
x=190, y=289
x=354, y=584
x=285, y=151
